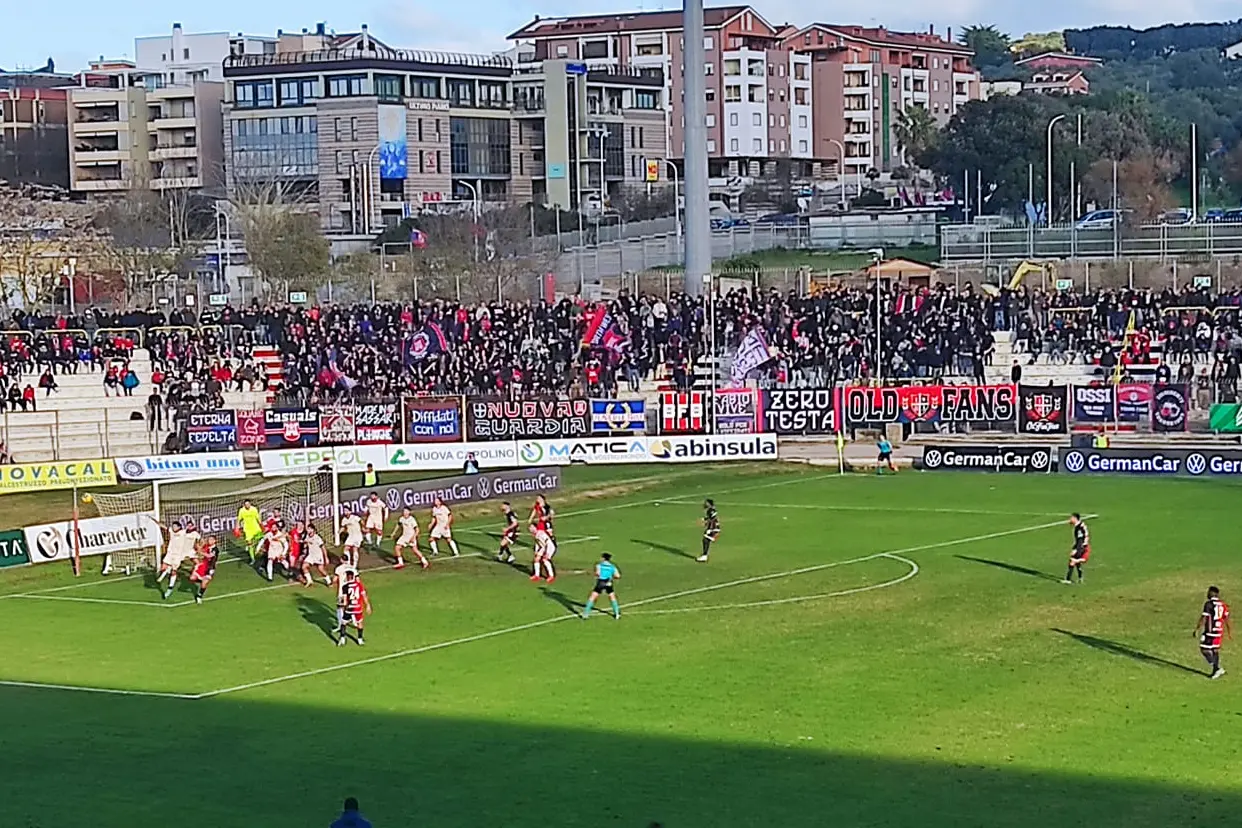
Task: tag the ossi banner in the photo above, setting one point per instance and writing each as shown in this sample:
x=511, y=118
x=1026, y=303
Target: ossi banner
x=35, y=477
x=1153, y=462
x=1133, y=402
x=432, y=419
x=337, y=425
x=681, y=412
x=465, y=488
x=496, y=419
x=609, y=416
x=988, y=458
x=284, y=427
x=1043, y=409
x=585, y=450
x=1226, y=418
x=95, y=536
x=211, y=431
x=713, y=448
x=1094, y=403
x=182, y=466
x=1170, y=405
x=737, y=411
x=376, y=422
x=805, y=411
x=931, y=403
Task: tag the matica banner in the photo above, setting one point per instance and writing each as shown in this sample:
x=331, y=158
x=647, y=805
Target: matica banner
x=1043, y=409
x=496, y=419
x=930, y=403
x=804, y=411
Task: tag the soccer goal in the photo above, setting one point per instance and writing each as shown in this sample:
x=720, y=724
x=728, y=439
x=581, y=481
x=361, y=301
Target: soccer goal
x=213, y=505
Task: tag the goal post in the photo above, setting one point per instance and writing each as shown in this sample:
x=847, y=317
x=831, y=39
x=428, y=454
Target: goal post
x=212, y=504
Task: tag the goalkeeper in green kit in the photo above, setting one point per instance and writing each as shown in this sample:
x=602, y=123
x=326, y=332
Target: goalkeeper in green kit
x=249, y=528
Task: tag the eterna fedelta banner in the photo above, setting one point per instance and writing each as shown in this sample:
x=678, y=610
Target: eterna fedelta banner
x=42, y=477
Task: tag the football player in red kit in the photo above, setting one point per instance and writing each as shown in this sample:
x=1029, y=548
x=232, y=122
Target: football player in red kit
x=355, y=605
x=205, y=568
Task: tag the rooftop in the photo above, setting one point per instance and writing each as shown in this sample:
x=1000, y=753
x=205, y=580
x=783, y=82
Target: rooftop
x=880, y=36
x=714, y=17
x=1061, y=56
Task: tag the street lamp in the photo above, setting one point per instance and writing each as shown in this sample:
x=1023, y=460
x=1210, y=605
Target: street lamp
x=676, y=206
x=474, y=192
x=840, y=165
x=877, y=255
x=368, y=199
x=1048, y=205
x=222, y=253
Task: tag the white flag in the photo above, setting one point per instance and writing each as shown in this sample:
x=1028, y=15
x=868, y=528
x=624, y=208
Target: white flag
x=752, y=353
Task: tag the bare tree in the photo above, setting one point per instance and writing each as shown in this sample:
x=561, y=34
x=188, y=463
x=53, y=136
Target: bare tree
x=281, y=233
x=140, y=232
x=38, y=236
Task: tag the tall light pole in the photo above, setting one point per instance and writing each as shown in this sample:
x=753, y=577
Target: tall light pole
x=474, y=193
x=877, y=256
x=1194, y=172
x=676, y=206
x=368, y=192
x=840, y=165
x=1048, y=205
x=698, y=216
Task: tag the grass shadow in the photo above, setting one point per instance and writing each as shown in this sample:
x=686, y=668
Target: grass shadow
x=1126, y=651
x=1021, y=570
x=571, y=606
x=317, y=614
x=662, y=547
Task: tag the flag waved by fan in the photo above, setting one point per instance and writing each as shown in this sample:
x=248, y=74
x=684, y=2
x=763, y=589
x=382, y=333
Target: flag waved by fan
x=604, y=332
x=418, y=238
x=428, y=342
x=751, y=354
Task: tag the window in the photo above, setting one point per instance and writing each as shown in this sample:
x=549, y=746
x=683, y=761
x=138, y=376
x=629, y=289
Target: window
x=780, y=71
x=353, y=129
x=799, y=71
x=874, y=57
x=707, y=69
x=757, y=144
x=347, y=86
x=781, y=122
x=420, y=130
x=390, y=88
x=771, y=146
x=633, y=136
x=649, y=49
x=492, y=95
x=708, y=44
x=646, y=99
x=756, y=119
x=594, y=49
x=802, y=146
x=562, y=51
x=733, y=66
x=754, y=93
x=460, y=92
x=733, y=93
x=935, y=63
x=298, y=91
x=283, y=148
x=642, y=139
x=711, y=120
x=711, y=146
x=733, y=145
x=935, y=86
x=711, y=94
x=782, y=145
x=424, y=87
x=185, y=54
x=252, y=94
x=732, y=119
x=771, y=121
x=339, y=156
x=801, y=122
x=336, y=129
x=479, y=146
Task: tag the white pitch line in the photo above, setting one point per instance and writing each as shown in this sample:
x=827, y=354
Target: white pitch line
x=79, y=585
x=914, y=570
x=81, y=600
x=38, y=685
x=833, y=507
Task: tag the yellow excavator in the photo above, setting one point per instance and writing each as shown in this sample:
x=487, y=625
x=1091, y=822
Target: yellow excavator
x=1019, y=273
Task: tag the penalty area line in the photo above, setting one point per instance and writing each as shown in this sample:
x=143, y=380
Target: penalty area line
x=110, y=691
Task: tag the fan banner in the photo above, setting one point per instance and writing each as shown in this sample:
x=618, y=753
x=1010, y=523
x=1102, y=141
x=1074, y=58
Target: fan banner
x=737, y=410
x=1134, y=402
x=681, y=412
x=285, y=427
x=376, y=422
x=802, y=411
x=1043, y=409
x=432, y=419
x=931, y=403
x=1170, y=407
x=337, y=425
x=211, y=431
x=1094, y=403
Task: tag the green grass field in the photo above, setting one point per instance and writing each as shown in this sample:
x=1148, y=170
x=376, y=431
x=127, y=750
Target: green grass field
x=860, y=651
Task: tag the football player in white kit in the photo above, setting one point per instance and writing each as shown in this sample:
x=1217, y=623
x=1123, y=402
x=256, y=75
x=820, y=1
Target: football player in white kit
x=377, y=513
x=442, y=527
x=182, y=545
x=314, y=554
x=351, y=528
x=407, y=538
x=545, y=550
x=277, y=549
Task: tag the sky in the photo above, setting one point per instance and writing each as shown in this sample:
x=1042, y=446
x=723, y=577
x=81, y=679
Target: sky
x=35, y=31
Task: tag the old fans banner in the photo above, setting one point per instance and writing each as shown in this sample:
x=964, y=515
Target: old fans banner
x=1043, y=409
x=931, y=403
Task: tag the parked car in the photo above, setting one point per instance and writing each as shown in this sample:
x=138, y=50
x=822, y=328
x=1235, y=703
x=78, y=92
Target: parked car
x=1213, y=215
x=1177, y=217
x=729, y=223
x=1098, y=220
x=1233, y=216
x=780, y=219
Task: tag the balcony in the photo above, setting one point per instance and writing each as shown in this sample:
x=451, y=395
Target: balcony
x=104, y=155
x=96, y=126
x=177, y=182
x=169, y=152
x=172, y=122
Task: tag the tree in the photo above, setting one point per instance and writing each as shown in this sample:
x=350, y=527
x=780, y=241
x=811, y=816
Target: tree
x=990, y=44
x=38, y=236
x=281, y=234
x=146, y=235
x=916, y=132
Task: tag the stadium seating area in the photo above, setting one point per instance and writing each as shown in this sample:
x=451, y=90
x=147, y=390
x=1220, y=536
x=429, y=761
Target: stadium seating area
x=251, y=357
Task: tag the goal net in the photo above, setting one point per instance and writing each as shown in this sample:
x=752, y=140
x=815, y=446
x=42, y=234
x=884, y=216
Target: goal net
x=212, y=505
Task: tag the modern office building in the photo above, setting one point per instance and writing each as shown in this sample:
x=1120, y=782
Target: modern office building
x=127, y=130
x=368, y=133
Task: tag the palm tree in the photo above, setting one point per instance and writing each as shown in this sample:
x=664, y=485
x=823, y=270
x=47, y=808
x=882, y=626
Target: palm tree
x=990, y=44
x=915, y=131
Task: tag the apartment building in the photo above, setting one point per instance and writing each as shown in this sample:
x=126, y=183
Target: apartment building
x=369, y=133
x=126, y=129
x=34, y=147
x=759, y=101
x=183, y=59
x=864, y=78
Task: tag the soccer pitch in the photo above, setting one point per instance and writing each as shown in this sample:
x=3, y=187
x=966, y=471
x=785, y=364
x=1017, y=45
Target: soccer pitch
x=859, y=651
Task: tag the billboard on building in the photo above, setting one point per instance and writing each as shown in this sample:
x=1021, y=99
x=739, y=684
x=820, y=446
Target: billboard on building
x=393, y=147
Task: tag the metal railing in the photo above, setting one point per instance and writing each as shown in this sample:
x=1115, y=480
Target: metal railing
x=979, y=242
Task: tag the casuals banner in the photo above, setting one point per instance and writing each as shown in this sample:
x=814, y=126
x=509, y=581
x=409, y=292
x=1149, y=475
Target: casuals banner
x=704, y=449
x=1170, y=405
x=807, y=411
x=589, y=450
x=433, y=420
x=1094, y=403
x=681, y=412
x=337, y=425
x=96, y=536
x=737, y=411
x=211, y=431
x=13, y=549
x=291, y=427
x=1043, y=409
x=988, y=458
x=1156, y=462
x=34, y=477
x=466, y=488
x=608, y=416
x=1226, y=418
x=182, y=466
x=493, y=419
x=376, y=422
x=931, y=403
